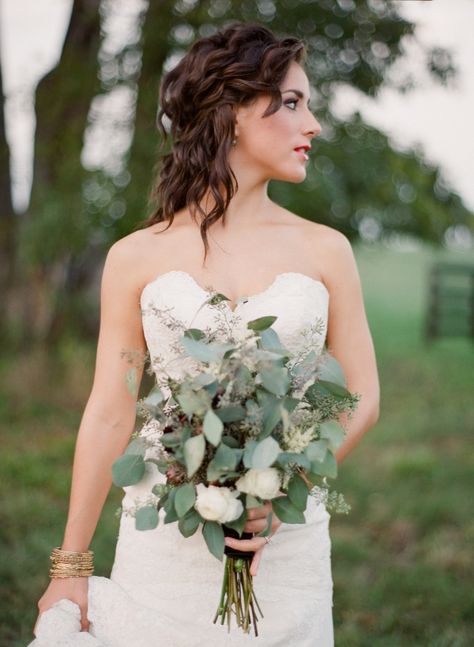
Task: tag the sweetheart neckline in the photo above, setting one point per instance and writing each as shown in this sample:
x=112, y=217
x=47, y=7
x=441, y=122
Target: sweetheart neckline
x=242, y=300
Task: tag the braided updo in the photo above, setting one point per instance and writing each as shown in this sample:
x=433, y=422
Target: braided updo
x=233, y=67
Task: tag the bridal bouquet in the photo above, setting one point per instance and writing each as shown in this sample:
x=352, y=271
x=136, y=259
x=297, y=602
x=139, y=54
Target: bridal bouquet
x=253, y=422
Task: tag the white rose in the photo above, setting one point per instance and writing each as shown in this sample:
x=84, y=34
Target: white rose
x=264, y=483
x=218, y=503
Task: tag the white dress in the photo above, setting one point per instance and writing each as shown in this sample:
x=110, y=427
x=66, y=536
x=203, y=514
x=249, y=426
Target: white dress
x=164, y=589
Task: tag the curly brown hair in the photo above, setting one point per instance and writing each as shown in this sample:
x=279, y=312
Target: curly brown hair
x=233, y=67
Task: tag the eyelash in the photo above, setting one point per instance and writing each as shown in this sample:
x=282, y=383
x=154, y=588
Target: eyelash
x=291, y=101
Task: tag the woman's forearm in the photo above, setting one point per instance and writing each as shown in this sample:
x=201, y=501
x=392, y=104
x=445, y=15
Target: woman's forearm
x=102, y=438
x=363, y=419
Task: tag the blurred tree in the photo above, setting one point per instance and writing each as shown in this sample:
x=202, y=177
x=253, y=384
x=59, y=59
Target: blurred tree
x=358, y=183
x=7, y=216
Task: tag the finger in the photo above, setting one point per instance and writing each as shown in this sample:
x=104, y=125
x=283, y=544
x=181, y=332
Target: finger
x=245, y=544
x=84, y=620
x=256, y=561
x=260, y=512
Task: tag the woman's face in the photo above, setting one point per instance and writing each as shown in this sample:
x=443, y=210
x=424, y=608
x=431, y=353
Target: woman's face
x=268, y=146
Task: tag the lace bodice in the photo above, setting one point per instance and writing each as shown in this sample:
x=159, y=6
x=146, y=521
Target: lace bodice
x=174, y=301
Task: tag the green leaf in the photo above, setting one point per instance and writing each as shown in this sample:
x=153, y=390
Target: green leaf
x=328, y=467
x=331, y=371
x=316, y=450
x=290, y=457
x=262, y=323
x=331, y=388
x=193, y=402
x=333, y=432
x=153, y=399
x=238, y=524
x=248, y=453
x=189, y=523
x=194, y=450
x=286, y=511
x=231, y=413
x=184, y=498
x=265, y=453
x=212, y=427
x=131, y=381
x=298, y=492
x=146, y=518
x=271, y=409
x=226, y=458
x=136, y=446
x=214, y=537
x=276, y=380
x=128, y=469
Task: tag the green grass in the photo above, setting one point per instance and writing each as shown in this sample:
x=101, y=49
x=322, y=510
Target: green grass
x=402, y=559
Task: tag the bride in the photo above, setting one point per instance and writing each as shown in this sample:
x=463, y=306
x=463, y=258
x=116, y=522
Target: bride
x=237, y=105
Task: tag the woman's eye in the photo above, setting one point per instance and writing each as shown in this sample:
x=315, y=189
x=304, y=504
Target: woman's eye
x=290, y=102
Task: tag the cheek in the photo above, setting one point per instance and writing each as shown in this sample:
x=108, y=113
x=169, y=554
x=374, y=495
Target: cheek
x=271, y=135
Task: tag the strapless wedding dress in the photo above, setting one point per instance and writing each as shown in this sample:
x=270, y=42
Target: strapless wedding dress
x=164, y=589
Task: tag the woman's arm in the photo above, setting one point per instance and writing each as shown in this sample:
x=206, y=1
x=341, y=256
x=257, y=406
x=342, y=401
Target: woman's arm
x=349, y=338
x=109, y=415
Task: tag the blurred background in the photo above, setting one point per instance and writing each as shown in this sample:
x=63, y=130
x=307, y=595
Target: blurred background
x=393, y=88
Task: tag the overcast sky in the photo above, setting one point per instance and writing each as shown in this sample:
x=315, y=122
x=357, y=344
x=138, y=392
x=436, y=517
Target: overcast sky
x=440, y=119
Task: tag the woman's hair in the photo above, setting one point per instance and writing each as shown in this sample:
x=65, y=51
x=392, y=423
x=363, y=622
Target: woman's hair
x=233, y=67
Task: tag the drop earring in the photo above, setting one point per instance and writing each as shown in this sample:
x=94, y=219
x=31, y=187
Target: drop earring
x=234, y=141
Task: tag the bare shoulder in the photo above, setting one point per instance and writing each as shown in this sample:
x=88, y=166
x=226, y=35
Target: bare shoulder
x=126, y=258
x=335, y=255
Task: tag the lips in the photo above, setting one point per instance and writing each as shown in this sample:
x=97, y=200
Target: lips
x=301, y=150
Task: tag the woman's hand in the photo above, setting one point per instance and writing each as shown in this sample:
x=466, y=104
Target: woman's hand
x=74, y=589
x=256, y=523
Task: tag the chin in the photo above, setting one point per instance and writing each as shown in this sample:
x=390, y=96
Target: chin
x=295, y=177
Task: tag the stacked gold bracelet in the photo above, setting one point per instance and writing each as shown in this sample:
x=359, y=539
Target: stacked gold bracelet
x=69, y=563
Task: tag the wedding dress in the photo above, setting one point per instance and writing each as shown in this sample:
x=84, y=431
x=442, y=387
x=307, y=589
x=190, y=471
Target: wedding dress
x=164, y=589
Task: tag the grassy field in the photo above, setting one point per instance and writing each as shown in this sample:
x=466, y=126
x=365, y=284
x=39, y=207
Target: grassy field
x=402, y=559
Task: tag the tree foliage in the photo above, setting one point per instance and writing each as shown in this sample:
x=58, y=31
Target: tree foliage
x=358, y=183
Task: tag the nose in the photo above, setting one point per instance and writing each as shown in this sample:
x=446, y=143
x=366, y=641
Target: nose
x=313, y=128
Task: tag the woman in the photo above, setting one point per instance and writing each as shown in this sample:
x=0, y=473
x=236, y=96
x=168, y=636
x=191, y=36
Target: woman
x=237, y=104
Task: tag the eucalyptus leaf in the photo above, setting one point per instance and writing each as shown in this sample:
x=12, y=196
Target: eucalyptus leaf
x=238, y=524
x=131, y=381
x=212, y=427
x=328, y=467
x=194, y=449
x=136, y=446
x=128, y=469
x=189, y=523
x=231, y=413
x=286, y=511
x=193, y=402
x=214, y=537
x=265, y=453
x=316, y=450
x=146, y=518
x=298, y=492
x=184, y=498
x=285, y=458
x=248, y=453
x=331, y=371
x=276, y=380
x=262, y=323
x=333, y=433
x=153, y=399
x=226, y=458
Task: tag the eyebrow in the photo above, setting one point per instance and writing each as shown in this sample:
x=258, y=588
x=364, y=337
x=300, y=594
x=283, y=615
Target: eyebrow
x=297, y=92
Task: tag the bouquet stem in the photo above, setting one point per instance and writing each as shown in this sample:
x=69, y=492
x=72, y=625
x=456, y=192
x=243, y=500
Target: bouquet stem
x=237, y=595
